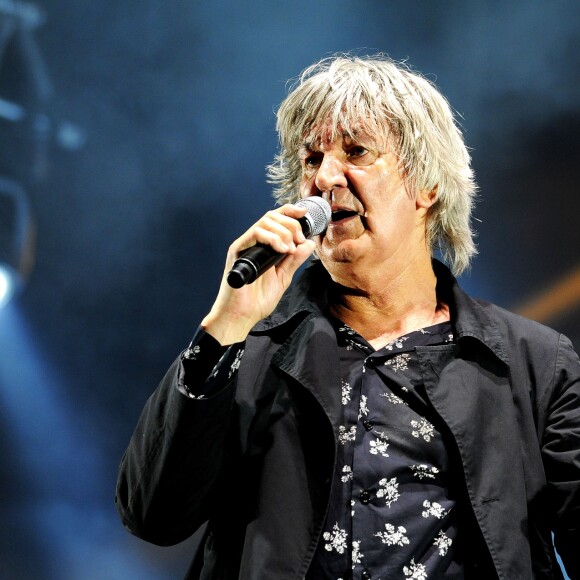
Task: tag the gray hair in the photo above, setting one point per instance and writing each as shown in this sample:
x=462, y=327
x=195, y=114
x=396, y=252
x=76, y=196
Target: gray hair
x=407, y=110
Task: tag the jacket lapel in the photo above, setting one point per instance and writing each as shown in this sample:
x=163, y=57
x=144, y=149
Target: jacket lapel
x=316, y=368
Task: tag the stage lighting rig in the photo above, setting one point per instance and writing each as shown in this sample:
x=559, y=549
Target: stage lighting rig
x=28, y=129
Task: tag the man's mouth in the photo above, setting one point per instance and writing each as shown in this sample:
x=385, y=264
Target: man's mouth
x=343, y=214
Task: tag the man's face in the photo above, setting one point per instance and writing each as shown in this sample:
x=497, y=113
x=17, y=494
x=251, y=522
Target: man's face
x=375, y=219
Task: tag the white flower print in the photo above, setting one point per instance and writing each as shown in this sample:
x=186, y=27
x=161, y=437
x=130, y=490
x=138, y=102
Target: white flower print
x=352, y=504
x=399, y=362
x=347, y=470
x=379, y=446
x=363, y=409
x=347, y=329
x=443, y=542
x=393, y=399
x=356, y=555
x=336, y=539
x=424, y=471
x=236, y=364
x=415, y=571
x=433, y=509
x=345, y=436
x=389, y=490
x=422, y=429
x=191, y=352
x=397, y=343
x=191, y=395
x=393, y=537
x=346, y=389
x=217, y=367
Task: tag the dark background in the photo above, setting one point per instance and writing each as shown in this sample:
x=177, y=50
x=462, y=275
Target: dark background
x=154, y=122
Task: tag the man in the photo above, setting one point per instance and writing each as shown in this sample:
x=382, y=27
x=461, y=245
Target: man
x=371, y=421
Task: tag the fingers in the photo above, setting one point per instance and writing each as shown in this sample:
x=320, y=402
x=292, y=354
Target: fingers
x=287, y=268
x=279, y=229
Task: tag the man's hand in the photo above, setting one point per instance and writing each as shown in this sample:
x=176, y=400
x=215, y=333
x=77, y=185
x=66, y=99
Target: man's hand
x=236, y=311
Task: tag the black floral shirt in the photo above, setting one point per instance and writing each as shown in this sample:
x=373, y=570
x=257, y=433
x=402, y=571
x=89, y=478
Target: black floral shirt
x=207, y=366
x=391, y=513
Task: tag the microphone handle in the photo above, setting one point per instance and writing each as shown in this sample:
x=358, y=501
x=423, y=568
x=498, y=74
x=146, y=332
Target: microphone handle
x=254, y=261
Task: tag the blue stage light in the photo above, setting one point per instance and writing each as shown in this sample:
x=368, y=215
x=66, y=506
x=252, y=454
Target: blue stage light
x=6, y=285
x=11, y=283
x=16, y=239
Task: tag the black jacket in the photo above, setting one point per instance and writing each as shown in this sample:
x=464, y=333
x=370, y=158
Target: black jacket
x=256, y=459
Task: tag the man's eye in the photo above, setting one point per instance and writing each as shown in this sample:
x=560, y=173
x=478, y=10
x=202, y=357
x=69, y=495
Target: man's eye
x=359, y=155
x=357, y=151
x=313, y=161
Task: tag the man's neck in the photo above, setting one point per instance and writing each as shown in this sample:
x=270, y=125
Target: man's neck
x=390, y=305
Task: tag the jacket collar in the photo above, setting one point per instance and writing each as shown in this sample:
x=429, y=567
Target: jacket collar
x=470, y=318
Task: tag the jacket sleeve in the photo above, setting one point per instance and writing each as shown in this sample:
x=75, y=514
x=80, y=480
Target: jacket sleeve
x=561, y=451
x=167, y=474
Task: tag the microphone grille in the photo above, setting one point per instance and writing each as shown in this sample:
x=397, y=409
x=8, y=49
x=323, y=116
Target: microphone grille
x=319, y=213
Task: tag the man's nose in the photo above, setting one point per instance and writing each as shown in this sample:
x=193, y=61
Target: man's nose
x=331, y=173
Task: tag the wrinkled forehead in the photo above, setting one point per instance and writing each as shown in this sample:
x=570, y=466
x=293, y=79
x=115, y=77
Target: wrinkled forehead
x=362, y=131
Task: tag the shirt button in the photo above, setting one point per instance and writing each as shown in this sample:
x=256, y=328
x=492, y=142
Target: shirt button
x=365, y=496
x=366, y=576
x=368, y=425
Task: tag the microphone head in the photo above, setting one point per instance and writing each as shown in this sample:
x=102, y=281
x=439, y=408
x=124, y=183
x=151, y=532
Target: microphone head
x=318, y=216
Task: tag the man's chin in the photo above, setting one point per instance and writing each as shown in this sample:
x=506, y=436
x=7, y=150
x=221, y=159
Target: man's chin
x=343, y=253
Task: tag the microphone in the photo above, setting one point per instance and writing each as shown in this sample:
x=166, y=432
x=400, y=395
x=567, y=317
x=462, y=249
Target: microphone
x=254, y=261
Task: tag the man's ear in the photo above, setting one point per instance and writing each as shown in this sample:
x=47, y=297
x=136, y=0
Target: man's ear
x=426, y=198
